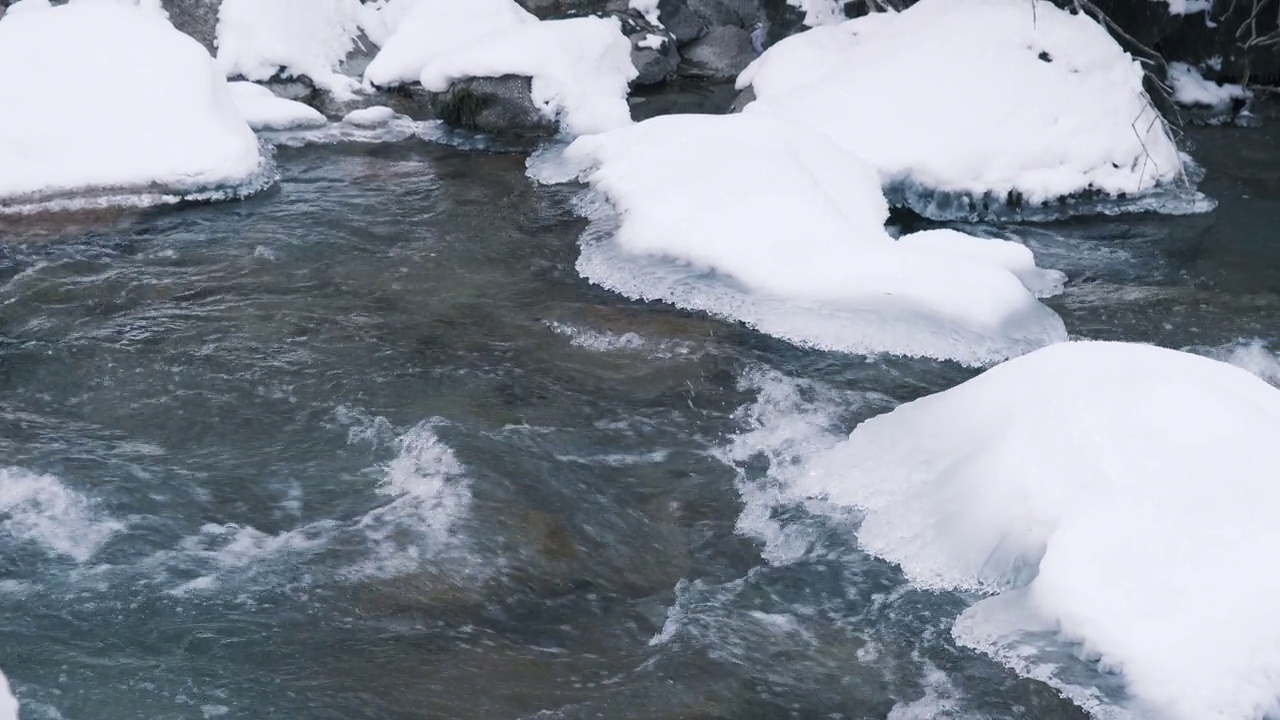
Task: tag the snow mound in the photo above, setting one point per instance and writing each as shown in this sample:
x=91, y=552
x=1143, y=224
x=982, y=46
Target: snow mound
x=433, y=28
x=1192, y=89
x=8, y=703
x=580, y=68
x=370, y=117
x=746, y=218
x=108, y=104
x=996, y=100
x=259, y=39
x=264, y=110
x=1114, y=495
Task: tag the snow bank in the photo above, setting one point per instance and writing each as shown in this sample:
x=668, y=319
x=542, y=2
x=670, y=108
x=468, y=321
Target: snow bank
x=1190, y=88
x=580, y=68
x=432, y=28
x=108, y=104
x=991, y=99
x=258, y=39
x=8, y=703
x=746, y=218
x=264, y=110
x=1121, y=496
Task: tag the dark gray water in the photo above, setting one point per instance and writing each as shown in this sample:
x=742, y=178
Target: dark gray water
x=365, y=446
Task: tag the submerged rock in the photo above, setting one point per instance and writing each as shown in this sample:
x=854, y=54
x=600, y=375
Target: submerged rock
x=500, y=105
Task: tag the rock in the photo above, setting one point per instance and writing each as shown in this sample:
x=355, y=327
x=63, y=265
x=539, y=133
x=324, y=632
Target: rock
x=684, y=24
x=720, y=55
x=500, y=105
x=653, y=49
x=197, y=18
x=744, y=98
x=654, y=64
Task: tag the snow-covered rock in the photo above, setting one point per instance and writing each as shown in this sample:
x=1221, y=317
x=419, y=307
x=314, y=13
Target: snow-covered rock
x=370, y=117
x=8, y=703
x=580, y=69
x=106, y=103
x=260, y=39
x=1118, y=496
x=264, y=110
x=745, y=217
x=990, y=99
x=432, y=28
x=1192, y=89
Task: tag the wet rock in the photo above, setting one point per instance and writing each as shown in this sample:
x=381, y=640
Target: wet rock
x=500, y=105
x=720, y=55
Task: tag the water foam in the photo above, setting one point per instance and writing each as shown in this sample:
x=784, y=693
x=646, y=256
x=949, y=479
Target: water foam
x=790, y=421
x=1251, y=354
x=41, y=509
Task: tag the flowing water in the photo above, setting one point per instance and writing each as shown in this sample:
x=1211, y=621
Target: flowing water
x=366, y=446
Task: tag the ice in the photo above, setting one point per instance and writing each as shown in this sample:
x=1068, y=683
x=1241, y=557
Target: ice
x=260, y=39
x=41, y=509
x=1118, y=497
x=581, y=69
x=395, y=128
x=264, y=110
x=1191, y=88
x=994, y=99
x=108, y=104
x=432, y=28
x=8, y=703
x=776, y=226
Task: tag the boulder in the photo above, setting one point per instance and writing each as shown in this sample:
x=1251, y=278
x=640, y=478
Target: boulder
x=719, y=55
x=684, y=24
x=500, y=105
x=653, y=48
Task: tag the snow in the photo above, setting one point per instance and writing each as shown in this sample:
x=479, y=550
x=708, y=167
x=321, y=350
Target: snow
x=1117, y=496
x=370, y=117
x=994, y=98
x=580, y=68
x=432, y=28
x=259, y=39
x=1190, y=88
x=649, y=9
x=652, y=42
x=382, y=18
x=264, y=110
x=8, y=703
x=1189, y=7
x=744, y=217
x=109, y=104
x=820, y=12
